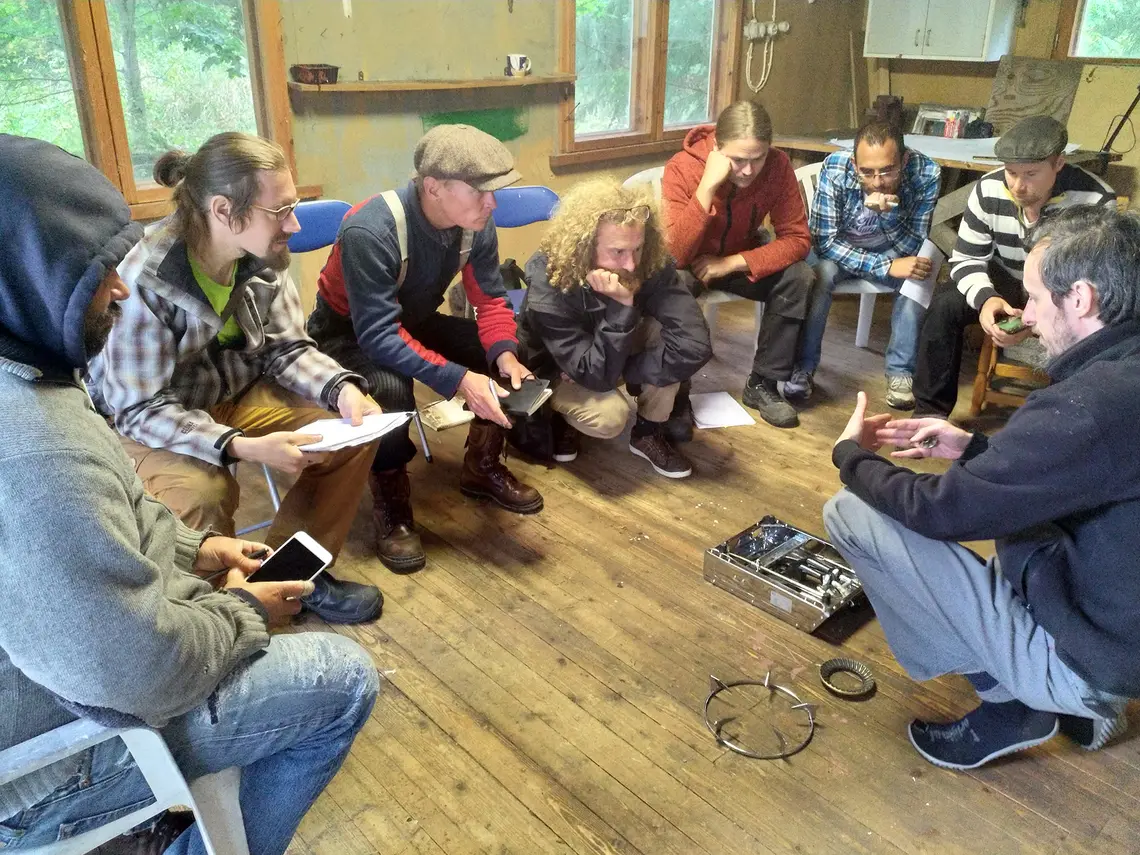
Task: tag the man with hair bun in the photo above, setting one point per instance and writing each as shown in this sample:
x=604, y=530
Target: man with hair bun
x=716, y=195
x=603, y=306
x=210, y=364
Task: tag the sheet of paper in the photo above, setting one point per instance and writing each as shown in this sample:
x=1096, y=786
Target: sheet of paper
x=717, y=410
x=339, y=433
x=921, y=290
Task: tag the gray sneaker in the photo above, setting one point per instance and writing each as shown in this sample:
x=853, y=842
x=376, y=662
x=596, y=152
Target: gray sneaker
x=773, y=409
x=798, y=387
x=900, y=392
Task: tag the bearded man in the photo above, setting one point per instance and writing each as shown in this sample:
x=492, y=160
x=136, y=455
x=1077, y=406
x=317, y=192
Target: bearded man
x=604, y=306
x=210, y=363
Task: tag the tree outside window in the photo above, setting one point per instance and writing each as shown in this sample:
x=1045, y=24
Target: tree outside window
x=1108, y=29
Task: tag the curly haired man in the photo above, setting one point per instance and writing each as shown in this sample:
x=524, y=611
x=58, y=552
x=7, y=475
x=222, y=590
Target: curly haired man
x=604, y=306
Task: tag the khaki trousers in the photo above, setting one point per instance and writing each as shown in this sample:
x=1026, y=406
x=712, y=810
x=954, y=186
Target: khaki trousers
x=603, y=415
x=203, y=495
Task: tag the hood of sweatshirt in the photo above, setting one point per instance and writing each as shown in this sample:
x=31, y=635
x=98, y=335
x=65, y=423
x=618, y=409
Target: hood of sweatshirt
x=64, y=227
x=699, y=142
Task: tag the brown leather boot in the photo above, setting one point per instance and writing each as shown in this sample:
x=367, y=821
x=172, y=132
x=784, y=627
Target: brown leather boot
x=397, y=545
x=485, y=476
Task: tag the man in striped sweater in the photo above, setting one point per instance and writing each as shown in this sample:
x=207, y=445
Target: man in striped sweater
x=988, y=258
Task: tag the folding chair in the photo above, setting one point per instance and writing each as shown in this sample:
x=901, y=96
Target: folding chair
x=213, y=798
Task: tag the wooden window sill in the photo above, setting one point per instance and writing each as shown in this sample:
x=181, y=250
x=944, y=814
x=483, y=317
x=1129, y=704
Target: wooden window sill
x=157, y=209
x=430, y=85
x=615, y=152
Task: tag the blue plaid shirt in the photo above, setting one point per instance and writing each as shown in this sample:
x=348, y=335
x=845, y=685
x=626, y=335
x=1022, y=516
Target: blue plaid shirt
x=838, y=207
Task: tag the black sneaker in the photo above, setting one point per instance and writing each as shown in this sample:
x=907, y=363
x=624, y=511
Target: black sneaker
x=765, y=398
x=990, y=731
x=566, y=440
x=662, y=456
x=338, y=601
x=1092, y=734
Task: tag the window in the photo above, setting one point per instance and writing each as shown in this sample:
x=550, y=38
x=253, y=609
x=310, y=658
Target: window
x=1100, y=29
x=122, y=81
x=646, y=71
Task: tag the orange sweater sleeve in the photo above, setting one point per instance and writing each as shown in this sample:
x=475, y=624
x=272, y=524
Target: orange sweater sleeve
x=685, y=219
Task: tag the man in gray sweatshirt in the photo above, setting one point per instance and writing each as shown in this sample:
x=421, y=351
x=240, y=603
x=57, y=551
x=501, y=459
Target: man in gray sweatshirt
x=104, y=616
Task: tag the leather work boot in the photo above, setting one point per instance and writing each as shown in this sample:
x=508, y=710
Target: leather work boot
x=485, y=476
x=397, y=545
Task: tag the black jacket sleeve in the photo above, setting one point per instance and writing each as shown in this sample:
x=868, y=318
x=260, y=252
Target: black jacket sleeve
x=684, y=345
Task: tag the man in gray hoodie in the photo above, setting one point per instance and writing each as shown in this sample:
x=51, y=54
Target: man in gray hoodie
x=104, y=616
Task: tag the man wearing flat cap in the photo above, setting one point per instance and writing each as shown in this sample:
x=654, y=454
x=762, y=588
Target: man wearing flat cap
x=988, y=258
x=377, y=310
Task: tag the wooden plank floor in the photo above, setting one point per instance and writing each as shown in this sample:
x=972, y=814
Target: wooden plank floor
x=545, y=674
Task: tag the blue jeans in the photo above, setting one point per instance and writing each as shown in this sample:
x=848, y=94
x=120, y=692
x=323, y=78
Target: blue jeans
x=287, y=716
x=945, y=611
x=906, y=322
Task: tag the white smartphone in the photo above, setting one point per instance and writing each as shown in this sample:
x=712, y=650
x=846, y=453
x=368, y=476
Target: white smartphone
x=298, y=559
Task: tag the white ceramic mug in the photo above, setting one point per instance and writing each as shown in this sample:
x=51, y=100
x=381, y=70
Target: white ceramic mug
x=518, y=65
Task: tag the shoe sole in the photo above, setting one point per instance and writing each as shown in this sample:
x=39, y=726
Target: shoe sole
x=566, y=458
x=349, y=620
x=405, y=566
x=1009, y=749
x=657, y=469
x=1118, y=726
x=900, y=405
x=532, y=508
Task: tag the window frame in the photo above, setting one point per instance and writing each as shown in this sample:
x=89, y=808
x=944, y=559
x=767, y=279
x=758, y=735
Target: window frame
x=87, y=40
x=647, y=108
x=1065, y=41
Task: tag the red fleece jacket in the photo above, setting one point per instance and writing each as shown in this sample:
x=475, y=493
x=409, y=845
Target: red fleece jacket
x=735, y=223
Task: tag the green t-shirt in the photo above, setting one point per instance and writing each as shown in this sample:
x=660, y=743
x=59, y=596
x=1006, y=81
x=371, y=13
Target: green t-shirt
x=230, y=334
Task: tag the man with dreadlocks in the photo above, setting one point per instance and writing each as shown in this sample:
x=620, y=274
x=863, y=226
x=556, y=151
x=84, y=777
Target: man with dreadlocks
x=604, y=306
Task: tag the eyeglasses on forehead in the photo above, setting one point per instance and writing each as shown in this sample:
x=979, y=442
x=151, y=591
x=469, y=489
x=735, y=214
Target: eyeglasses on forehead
x=640, y=213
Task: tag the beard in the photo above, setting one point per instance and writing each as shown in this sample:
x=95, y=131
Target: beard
x=278, y=259
x=97, y=328
x=628, y=280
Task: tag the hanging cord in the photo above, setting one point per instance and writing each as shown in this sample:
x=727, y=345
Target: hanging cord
x=765, y=59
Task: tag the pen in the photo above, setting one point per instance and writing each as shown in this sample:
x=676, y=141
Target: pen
x=259, y=554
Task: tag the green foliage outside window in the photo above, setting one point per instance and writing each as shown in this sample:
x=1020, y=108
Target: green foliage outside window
x=182, y=70
x=1111, y=29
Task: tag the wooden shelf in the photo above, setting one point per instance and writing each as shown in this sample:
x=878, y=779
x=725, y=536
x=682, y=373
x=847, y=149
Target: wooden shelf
x=431, y=85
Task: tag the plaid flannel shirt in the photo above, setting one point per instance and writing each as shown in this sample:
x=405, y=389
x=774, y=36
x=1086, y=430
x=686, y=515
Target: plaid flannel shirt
x=163, y=369
x=838, y=201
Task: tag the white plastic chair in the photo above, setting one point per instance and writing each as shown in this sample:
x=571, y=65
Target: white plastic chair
x=213, y=798
x=710, y=300
x=808, y=176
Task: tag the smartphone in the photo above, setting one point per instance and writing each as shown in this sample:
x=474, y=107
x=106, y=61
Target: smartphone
x=1011, y=325
x=298, y=559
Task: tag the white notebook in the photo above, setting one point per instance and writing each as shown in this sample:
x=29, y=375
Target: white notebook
x=340, y=433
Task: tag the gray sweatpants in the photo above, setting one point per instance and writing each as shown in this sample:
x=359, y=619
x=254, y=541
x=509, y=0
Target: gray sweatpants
x=944, y=611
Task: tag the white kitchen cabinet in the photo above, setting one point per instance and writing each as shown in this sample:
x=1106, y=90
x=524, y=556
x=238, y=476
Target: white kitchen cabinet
x=967, y=30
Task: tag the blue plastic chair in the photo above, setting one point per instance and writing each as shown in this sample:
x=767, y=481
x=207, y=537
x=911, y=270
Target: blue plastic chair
x=320, y=221
x=521, y=206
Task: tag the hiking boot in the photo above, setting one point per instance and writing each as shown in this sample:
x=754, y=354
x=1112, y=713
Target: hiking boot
x=773, y=409
x=1092, y=734
x=662, y=456
x=900, y=392
x=397, y=545
x=990, y=731
x=679, y=425
x=485, y=476
x=798, y=387
x=566, y=440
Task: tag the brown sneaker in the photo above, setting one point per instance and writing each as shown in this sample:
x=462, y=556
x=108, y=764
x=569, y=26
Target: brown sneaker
x=397, y=545
x=485, y=476
x=662, y=456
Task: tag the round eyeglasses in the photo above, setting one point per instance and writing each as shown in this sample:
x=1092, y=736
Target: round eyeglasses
x=280, y=214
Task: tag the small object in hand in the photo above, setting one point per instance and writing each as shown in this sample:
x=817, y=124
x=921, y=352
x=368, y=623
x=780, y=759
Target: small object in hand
x=929, y=442
x=1011, y=325
x=258, y=554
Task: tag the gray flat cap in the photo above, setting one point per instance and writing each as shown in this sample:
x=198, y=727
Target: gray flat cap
x=1032, y=139
x=464, y=153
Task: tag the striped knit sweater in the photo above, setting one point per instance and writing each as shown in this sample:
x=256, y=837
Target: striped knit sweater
x=993, y=227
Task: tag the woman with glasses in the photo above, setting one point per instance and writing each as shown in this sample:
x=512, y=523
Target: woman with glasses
x=210, y=363
x=871, y=213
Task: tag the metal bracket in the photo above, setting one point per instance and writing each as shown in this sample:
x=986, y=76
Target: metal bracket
x=716, y=686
